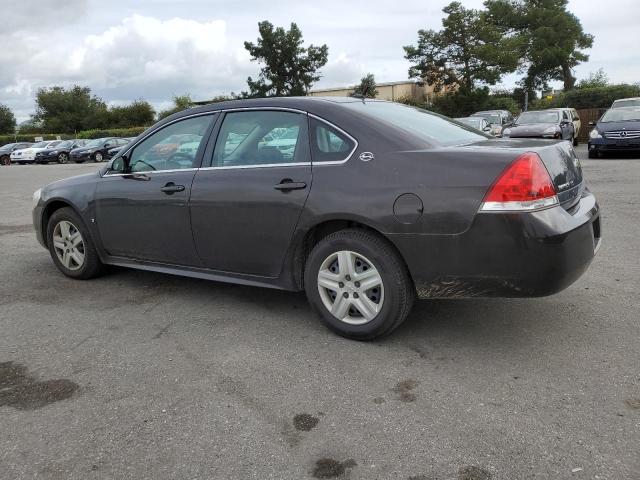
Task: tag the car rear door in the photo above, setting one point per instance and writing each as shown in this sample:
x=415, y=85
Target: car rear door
x=246, y=204
x=142, y=212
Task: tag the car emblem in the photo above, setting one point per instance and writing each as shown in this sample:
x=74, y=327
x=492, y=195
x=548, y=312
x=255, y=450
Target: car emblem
x=366, y=156
x=623, y=133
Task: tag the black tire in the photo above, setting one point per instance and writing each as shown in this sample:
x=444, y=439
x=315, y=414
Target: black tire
x=21, y=163
x=92, y=265
x=593, y=154
x=399, y=292
x=63, y=158
x=5, y=160
x=98, y=157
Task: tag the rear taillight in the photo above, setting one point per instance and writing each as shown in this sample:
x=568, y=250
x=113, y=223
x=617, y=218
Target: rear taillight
x=524, y=186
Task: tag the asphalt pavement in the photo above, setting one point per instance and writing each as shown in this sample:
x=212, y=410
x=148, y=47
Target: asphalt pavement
x=139, y=375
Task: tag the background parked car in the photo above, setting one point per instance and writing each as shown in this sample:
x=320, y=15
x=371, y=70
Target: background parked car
x=58, y=153
x=626, y=102
x=479, y=123
x=541, y=124
x=498, y=119
x=96, y=150
x=571, y=115
x=112, y=152
x=5, y=151
x=28, y=155
x=617, y=130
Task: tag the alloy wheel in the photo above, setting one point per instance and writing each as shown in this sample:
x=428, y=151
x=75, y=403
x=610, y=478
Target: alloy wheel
x=98, y=157
x=68, y=245
x=350, y=287
x=63, y=158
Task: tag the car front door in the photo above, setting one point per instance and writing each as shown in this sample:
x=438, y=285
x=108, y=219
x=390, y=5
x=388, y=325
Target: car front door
x=246, y=205
x=142, y=202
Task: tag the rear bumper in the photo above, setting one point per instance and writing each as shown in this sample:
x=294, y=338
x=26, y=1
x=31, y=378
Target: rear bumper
x=506, y=254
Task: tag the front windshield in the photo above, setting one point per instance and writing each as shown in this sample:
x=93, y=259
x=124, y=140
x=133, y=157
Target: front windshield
x=492, y=118
x=428, y=126
x=627, y=103
x=40, y=145
x=65, y=144
x=474, y=122
x=621, y=115
x=538, y=117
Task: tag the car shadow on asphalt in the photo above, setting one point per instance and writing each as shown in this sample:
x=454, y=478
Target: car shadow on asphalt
x=509, y=323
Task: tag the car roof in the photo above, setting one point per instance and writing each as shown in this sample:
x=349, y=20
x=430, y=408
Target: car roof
x=629, y=98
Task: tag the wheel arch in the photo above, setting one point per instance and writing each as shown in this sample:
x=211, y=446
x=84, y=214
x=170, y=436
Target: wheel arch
x=49, y=209
x=309, y=238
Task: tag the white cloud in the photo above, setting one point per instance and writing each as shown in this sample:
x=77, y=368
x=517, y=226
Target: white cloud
x=156, y=48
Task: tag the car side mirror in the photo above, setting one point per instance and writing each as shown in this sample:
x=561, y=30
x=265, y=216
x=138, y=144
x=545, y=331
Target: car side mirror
x=120, y=164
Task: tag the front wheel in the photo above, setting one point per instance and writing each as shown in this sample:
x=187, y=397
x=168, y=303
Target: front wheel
x=63, y=157
x=98, y=157
x=70, y=245
x=358, y=284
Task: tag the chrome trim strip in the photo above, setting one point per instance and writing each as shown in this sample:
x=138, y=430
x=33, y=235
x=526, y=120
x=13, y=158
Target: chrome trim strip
x=150, y=172
x=335, y=162
x=266, y=165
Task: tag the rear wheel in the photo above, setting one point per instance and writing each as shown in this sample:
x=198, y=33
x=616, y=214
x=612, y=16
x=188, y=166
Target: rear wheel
x=358, y=284
x=5, y=160
x=70, y=245
x=63, y=157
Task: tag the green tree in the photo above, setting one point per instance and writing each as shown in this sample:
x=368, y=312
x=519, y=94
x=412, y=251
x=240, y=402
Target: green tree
x=137, y=114
x=7, y=120
x=289, y=67
x=180, y=102
x=366, y=87
x=549, y=38
x=595, y=79
x=467, y=52
x=62, y=110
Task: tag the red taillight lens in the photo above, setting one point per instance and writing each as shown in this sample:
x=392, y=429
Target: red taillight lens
x=524, y=185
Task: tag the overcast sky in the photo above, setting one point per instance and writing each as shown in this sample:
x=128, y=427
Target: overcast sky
x=160, y=48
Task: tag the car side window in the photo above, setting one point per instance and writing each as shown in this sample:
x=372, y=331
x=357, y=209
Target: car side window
x=254, y=138
x=173, y=147
x=328, y=144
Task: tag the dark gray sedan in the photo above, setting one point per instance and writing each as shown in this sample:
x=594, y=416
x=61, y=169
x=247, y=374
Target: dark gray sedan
x=541, y=124
x=366, y=205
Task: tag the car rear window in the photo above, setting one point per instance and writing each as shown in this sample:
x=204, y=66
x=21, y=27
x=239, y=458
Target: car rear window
x=429, y=126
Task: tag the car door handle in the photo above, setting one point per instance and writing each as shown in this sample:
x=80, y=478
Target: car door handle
x=171, y=188
x=287, y=184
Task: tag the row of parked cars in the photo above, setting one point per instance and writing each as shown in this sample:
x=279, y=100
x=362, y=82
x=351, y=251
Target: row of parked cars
x=62, y=151
x=554, y=123
x=618, y=129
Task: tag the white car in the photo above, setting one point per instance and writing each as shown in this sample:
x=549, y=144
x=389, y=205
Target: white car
x=28, y=155
x=571, y=115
